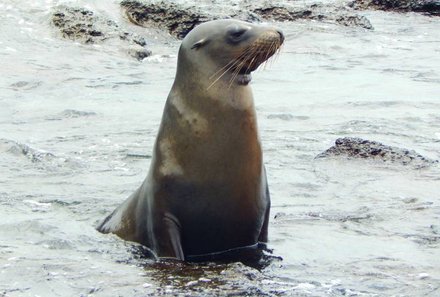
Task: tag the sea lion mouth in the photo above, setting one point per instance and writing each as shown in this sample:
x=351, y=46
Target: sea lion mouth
x=244, y=76
x=244, y=79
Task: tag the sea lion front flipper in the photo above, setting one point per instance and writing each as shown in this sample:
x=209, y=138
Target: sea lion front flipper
x=120, y=221
x=264, y=229
x=170, y=245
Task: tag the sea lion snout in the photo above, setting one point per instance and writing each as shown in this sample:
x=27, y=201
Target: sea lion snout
x=281, y=35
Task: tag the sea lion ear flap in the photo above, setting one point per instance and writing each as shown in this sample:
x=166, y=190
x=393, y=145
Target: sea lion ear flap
x=200, y=43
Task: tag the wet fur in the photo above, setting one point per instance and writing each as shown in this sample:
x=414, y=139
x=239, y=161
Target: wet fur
x=206, y=191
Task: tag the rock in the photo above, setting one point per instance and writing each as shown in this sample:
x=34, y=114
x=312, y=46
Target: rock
x=138, y=53
x=430, y=7
x=79, y=24
x=282, y=14
x=354, y=21
x=21, y=149
x=178, y=20
x=82, y=25
x=169, y=16
x=351, y=147
x=317, y=12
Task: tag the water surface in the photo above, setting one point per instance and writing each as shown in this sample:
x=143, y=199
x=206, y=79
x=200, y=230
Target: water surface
x=77, y=126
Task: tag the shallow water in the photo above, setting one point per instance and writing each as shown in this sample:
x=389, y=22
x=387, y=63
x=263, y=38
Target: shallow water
x=77, y=126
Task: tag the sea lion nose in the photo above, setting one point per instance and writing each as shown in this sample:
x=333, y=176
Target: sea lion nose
x=281, y=35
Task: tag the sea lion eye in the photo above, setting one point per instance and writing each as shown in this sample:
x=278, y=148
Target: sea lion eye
x=235, y=34
x=238, y=33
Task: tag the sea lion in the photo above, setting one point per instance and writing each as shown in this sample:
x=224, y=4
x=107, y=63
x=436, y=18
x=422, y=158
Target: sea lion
x=206, y=190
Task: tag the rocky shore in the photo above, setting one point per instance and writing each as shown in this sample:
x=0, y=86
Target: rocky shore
x=429, y=7
x=176, y=19
x=318, y=12
x=85, y=26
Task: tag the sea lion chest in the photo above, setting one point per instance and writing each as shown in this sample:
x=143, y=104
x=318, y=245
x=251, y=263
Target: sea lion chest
x=214, y=185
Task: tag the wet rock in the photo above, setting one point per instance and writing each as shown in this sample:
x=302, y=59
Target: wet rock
x=178, y=20
x=40, y=159
x=431, y=7
x=210, y=279
x=351, y=147
x=84, y=26
x=354, y=21
x=139, y=54
x=79, y=24
x=317, y=12
x=21, y=149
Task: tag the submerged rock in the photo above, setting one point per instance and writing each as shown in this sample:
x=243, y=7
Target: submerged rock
x=84, y=26
x=351, y=147
x=21, y=149
x=431, y=7
x=314, y=12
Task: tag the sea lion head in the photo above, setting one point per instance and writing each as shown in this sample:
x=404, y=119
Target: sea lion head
x=225, y=52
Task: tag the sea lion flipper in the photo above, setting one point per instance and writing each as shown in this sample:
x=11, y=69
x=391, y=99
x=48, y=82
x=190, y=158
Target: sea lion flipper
x=117, y=221
x=264, y=229
x=170, y=245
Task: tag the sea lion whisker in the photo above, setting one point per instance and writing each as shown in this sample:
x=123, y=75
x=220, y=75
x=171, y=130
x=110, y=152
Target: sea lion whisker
x=232, y=61
x=272, y=52
x=256, y=55
x=269, y=53
x=276, y=53
x=265, y=60
x=237, y=69
x=236, y=62
x=250, y=57
x=236, y=72
x=224, y=72
x=243, y=53
x=240, y=67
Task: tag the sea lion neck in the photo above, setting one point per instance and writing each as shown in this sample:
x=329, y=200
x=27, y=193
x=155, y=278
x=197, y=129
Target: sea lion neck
x=192, y=79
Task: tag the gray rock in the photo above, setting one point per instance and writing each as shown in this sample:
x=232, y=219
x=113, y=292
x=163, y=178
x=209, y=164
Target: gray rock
x=431, y=7
x=79, y=24
x=351, y=147
x=82, y=25
x=354, y=21
x=178, y=20
x=317, y=12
